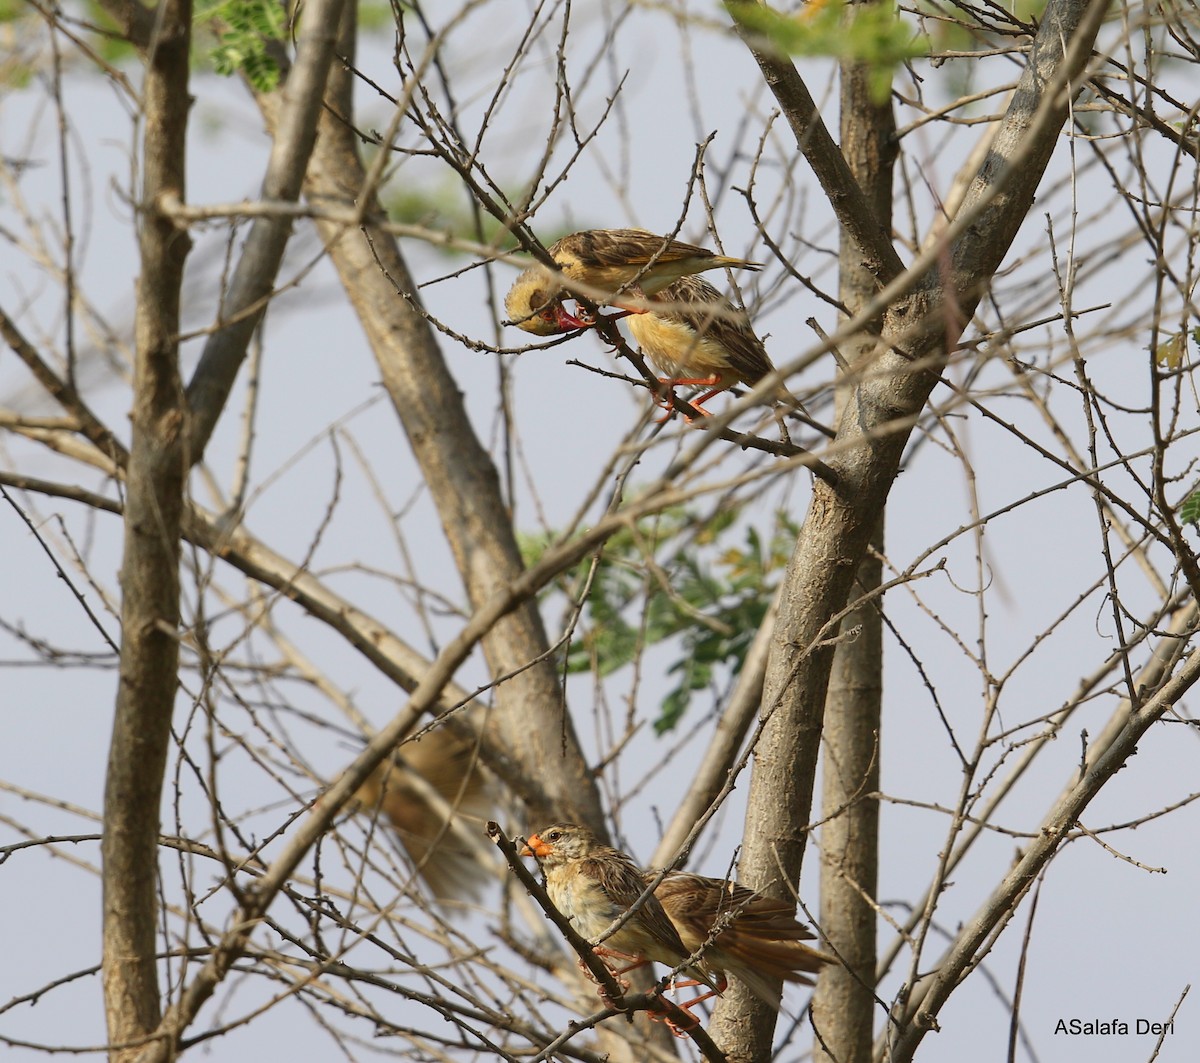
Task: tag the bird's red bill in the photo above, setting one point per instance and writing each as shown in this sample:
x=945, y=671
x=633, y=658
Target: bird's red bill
x=567, y=320
x=534, y=846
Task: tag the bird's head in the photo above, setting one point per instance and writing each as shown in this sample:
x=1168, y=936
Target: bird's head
x=559, y=843
x=535, y=304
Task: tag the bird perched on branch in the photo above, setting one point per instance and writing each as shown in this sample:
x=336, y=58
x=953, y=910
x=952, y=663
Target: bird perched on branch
x=593, y=884
x=695, y=336
x=691, y=332
x=604, y=263
x=748, y=936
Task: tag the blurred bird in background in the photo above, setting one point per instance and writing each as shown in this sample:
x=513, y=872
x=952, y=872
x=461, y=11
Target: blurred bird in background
x=436, y=796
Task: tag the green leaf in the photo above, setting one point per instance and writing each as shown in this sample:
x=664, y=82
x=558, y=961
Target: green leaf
x=674, y=578
x=244, y=28
x=870, y=34
x=1189, y=510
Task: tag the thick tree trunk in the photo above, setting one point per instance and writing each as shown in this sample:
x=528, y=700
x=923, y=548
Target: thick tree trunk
x=925, y=312
x=150, y=564
x=844, y=1002
x=531, y=721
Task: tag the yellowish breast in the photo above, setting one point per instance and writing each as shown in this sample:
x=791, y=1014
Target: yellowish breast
x=678, y=350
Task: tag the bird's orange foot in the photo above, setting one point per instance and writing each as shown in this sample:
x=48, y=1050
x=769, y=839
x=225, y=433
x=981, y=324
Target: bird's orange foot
x=668, y=405
x=715, y=989
x=616, y=973
x=679, y=1021
x=687, y=418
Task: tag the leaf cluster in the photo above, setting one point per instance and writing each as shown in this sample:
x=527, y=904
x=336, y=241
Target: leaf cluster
x=869, y=34
x=245, y=29
x=671, y=577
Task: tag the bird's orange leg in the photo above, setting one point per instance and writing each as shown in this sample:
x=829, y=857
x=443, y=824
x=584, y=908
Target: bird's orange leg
x=634, y=961
x=610, y=954
x=695, y=404
x=664, y=399
x=721, y=985
x=706, y=396
x=678, y=1029
x=671, y=1013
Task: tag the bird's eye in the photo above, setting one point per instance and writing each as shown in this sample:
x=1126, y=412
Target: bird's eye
x=553, y=836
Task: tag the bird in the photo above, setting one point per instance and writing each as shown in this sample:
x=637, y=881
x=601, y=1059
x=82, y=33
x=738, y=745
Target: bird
x=758, y=940
x=593, y=885
x=443, y=766
x=604, y=263
x=734, y=929
x=535, y=303
x=695, y=336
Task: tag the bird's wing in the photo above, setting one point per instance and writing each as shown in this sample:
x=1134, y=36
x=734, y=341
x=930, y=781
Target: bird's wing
x=622, y=881
x=702, y=898
x=698, y=304
x=604, y=248
x=759, y=936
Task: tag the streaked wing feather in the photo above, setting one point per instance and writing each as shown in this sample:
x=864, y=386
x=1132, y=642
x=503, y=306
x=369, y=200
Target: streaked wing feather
x=710, y=313
x=622, y=881
x=764, y=932
x=625, y=247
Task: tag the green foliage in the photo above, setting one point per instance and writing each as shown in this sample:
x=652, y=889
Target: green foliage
x=244, y=28
x=870, y=34
x=376, y=15
x=1189, y=510
x=711, y=599
x=20, y=37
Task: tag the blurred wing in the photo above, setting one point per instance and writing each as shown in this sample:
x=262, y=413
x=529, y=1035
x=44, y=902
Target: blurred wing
x=443, y=763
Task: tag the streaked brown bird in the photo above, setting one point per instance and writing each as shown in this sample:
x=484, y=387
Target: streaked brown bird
x=757, y=940
x=593, y=884
x=604, y=262
x=697, y=337
x=753, y=938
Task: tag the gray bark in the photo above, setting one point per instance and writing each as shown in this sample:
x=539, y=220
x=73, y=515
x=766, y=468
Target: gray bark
x=924, y=313
x=150, y=563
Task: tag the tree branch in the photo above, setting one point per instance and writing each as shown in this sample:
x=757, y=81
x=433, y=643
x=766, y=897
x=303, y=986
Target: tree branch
x=254, y=278
x=531, y=721
x=1107, y=755
x=839, y=523
x=850, y=205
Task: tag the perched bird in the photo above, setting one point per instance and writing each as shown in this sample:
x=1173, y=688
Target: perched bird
x=593, y=884
x=604, y=262
x=757, y=940
x=611, y=259
x=699, y=337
